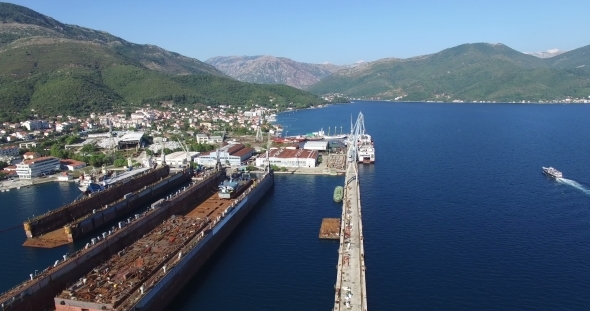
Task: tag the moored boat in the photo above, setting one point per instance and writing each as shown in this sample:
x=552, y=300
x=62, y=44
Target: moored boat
x=338, y=194
x=552, y=172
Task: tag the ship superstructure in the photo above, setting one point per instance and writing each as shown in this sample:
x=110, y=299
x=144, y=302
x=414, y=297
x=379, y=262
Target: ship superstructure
x=366, y=149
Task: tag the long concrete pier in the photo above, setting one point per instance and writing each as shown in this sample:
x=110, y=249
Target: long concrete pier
x=351, y=291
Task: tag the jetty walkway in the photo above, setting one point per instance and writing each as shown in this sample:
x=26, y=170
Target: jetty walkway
x=350, y=288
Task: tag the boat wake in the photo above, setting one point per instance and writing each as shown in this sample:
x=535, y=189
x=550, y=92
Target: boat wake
x=574, y=184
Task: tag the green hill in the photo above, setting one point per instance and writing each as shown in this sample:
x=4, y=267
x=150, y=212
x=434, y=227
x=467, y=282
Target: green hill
x=469, y=72
x=56, y=68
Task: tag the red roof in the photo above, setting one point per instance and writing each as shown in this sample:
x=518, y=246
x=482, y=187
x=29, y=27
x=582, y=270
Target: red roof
x=71, y=162
x=235, y=148
x=243, y=151
x=41, y=159
x=291, y=153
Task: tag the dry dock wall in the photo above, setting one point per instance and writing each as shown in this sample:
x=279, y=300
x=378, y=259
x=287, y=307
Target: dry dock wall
x=180, y=272
x=130, y=202
x=38, y=294
x=65, y=214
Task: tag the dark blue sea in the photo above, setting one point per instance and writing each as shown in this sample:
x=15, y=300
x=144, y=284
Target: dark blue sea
x=457, y=216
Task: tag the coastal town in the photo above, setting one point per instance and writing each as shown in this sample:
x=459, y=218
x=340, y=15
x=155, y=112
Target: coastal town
x=65, y=147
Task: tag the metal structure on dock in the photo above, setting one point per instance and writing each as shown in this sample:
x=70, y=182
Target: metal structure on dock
x=350, y=287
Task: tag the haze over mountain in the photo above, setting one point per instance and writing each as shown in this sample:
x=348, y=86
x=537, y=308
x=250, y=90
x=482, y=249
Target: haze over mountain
x=469, y=72
x=272, y=70
x=57, y=68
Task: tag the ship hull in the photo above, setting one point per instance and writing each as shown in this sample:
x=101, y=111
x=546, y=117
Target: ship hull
x=168, y=287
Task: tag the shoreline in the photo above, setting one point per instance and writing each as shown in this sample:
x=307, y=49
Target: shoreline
x=9, y=185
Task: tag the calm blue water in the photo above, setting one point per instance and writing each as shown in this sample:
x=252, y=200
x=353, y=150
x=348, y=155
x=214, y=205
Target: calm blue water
x=457, y=216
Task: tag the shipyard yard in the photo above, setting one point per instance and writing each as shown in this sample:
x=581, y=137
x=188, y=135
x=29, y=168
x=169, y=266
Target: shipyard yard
x=143, y=261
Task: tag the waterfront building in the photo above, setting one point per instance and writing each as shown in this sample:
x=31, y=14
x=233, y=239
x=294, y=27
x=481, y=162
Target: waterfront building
x=71, y=165
x=289, y=158
x=232, y=154
x=316, y=145
x=178, y=158
x=28, y=169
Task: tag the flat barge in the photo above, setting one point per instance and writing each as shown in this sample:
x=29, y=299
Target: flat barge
x=147, y=275
x=61, y=216
x=39, y=291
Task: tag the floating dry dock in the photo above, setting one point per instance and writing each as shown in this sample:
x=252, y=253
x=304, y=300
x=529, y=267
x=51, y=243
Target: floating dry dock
x=148, y=274
x=38, y=292
x=59, y=217
x=102, y=216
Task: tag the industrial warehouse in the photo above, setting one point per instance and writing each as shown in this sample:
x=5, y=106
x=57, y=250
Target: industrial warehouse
x=289, y=158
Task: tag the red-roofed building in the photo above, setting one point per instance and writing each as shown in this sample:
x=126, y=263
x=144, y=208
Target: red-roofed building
x=30, y=155
x=71, y=165
x=289, y=158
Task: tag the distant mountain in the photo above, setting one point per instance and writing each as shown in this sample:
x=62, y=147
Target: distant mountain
x=480, y=71
x=57, y=68
x=272, y=70
x=546, y=54
x=578, y=58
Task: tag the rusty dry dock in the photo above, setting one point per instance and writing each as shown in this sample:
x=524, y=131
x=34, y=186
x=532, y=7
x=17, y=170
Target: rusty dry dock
x=110, y=285
x=330, y=229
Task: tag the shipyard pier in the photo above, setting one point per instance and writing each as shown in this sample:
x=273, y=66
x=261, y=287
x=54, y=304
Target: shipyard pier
x=350, y=287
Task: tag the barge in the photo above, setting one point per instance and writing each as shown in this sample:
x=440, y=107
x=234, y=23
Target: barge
x=147, y=275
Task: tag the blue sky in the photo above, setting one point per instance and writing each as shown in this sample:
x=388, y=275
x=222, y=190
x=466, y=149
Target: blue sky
x=340, y=32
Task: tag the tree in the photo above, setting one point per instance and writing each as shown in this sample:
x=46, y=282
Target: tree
x=120, y=162
x=88, y=148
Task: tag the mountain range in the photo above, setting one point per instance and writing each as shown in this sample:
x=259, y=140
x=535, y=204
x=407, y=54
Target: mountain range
x=272, y=70
x=55, y=68
x=468, y=72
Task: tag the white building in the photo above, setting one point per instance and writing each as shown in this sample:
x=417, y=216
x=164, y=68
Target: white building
x=320, y=145
x=36, y=124
x=10, y=151
x=206, y=139
x=37, y=167
x=289, y=158
x=233, y=155
x=178, y=158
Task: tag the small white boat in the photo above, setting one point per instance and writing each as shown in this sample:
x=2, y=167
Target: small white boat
x=552, y=172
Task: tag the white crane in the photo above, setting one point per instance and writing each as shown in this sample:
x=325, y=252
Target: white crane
x=188, y=156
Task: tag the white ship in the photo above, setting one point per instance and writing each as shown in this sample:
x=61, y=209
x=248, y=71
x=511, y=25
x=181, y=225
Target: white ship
x=366, y=149
x=552, y=172
x=322, y=134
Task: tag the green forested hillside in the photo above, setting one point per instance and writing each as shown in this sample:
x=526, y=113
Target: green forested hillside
x=54, y=68
x=467, y=72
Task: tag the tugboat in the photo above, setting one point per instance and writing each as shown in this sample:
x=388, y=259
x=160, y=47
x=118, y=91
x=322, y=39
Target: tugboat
x=552, y=172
